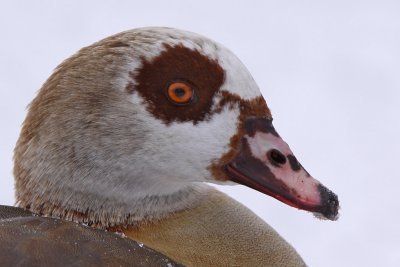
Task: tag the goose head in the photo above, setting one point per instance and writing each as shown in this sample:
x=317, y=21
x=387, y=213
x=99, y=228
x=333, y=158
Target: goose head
x=131, y=127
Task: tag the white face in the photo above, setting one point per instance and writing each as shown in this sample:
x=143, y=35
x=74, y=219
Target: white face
x=179, y=150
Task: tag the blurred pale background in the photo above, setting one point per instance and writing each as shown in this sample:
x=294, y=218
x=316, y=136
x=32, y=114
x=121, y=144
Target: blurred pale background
x=330, y=71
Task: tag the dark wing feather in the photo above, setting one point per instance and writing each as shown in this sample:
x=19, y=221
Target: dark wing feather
x=29, y=240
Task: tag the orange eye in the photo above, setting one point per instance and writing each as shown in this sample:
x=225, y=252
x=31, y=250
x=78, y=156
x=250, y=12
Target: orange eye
x=180, y=92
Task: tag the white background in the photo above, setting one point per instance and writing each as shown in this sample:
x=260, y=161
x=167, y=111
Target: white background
x=329, y=70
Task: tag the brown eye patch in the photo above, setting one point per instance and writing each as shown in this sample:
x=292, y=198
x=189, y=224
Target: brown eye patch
x=178, y=63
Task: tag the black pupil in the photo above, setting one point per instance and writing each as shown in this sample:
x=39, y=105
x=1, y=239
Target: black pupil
x=179, y=92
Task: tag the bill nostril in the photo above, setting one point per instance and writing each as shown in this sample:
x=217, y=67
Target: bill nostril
x=276, y=157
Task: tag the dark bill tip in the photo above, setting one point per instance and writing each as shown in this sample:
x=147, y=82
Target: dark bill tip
x=330, y=204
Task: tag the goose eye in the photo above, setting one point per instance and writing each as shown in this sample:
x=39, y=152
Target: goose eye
x=180, y=92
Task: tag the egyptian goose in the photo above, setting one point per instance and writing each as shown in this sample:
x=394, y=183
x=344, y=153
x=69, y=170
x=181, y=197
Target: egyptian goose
x=124, y=136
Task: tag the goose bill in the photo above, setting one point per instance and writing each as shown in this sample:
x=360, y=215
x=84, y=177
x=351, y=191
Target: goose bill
x=266, y=163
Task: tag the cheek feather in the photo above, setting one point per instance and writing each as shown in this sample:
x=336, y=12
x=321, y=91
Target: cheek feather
x=182, y=150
